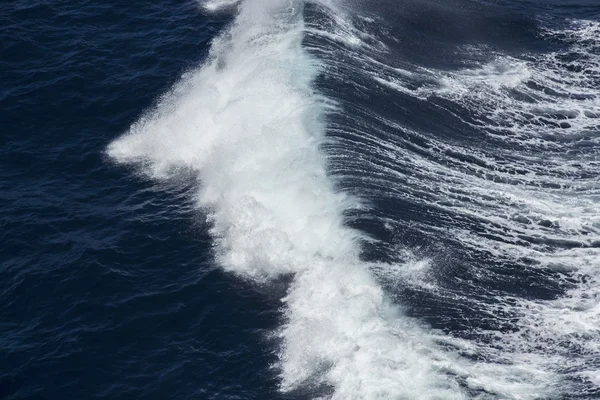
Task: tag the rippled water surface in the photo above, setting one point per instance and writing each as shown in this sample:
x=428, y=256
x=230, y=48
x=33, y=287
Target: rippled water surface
x=263, y=199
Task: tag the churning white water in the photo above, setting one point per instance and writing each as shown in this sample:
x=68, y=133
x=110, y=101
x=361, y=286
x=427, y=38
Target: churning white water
x=250, y=124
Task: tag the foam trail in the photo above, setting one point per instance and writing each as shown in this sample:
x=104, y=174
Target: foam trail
x=250, y=125
x=527, y=198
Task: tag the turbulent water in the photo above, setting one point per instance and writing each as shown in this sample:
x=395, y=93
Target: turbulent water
x=301, y=199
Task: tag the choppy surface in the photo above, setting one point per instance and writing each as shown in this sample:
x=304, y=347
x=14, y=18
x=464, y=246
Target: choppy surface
x=353, y=201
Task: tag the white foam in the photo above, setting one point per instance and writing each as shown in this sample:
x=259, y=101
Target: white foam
x=215, y=6
x=546, y=213
x=513, y=205
x=249, y=124
x=530, y=96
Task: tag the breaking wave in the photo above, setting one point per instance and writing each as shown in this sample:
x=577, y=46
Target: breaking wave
x=251, y=126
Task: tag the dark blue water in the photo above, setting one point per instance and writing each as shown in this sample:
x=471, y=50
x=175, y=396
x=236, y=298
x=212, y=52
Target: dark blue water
x=469, y=130
x=108, y=285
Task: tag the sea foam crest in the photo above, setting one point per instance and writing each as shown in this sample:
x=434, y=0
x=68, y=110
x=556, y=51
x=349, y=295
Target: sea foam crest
x=249, y=124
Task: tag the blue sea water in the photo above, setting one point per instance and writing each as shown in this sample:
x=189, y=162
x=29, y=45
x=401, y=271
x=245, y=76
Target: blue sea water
x=271, y=199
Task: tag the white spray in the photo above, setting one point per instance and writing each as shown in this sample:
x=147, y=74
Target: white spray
x=250, y=124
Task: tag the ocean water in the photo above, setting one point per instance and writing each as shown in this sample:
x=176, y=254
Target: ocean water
x=286, y=199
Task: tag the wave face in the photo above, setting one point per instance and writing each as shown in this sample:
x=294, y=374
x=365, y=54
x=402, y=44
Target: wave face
x=280, y=130
x=480, y=167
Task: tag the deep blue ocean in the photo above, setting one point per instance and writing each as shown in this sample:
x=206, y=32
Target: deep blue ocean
x=288, y=199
